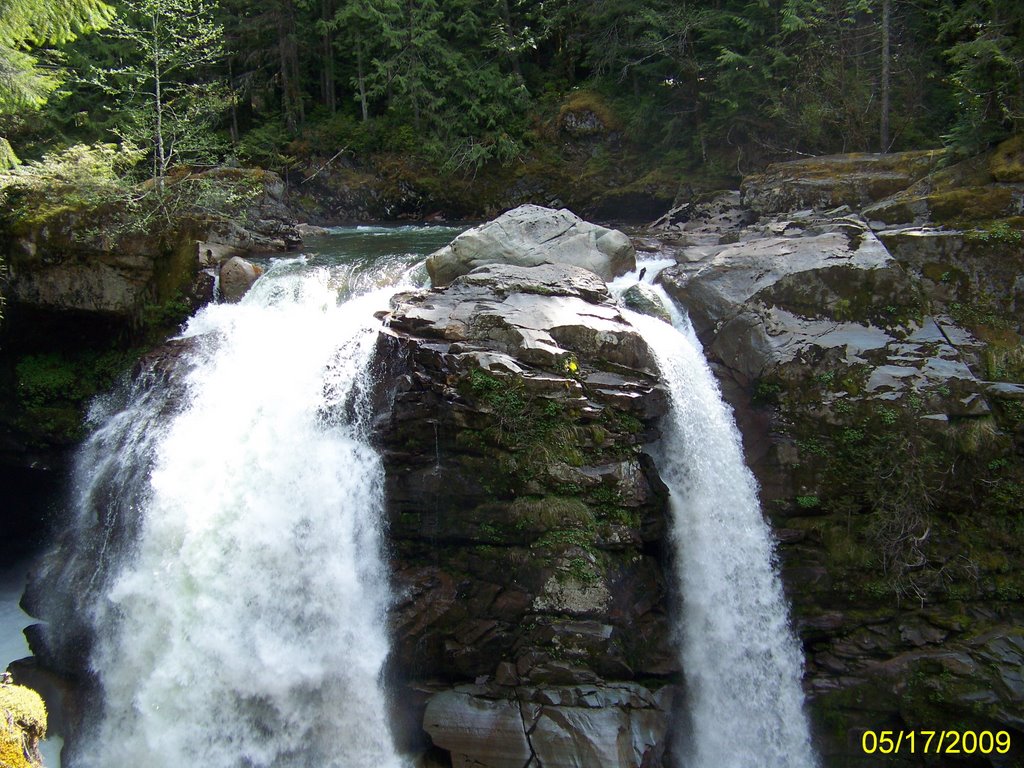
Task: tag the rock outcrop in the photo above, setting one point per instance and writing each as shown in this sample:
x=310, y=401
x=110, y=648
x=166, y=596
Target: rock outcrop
x=524, y=516
x=71, y=265
x=872, y=370
x=855, y=180
x=531, y=235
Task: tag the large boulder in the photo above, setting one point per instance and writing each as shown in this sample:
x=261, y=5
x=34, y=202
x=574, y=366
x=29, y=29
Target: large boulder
x=540, y=316
x=236, y=277
x=531, y=235
x=522, y=513
x=756, y=303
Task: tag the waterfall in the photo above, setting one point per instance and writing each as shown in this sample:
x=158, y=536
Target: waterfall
x=243, y=622
x=742, y=663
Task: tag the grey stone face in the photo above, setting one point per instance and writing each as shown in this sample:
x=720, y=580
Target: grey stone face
x=530, y=236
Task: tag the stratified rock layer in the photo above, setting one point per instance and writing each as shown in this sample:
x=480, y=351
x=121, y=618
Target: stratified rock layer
x=522, y=513
x=877, y=374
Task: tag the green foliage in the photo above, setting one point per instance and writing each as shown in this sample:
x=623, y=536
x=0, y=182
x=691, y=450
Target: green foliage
x=580, y=569
x=170, y=314
x=98, y=183
x=54, y=388
x=985, y=40
x=538, y=429
x=996, y=232
x=808, y=502
x=26, y=24
x=621, y=421
x=52, y=377
x=165, y=102
x=265, y=144
x=1004, y=363
x=978, y=314
x=457, y=86
x=77, y=178
x=766, y=391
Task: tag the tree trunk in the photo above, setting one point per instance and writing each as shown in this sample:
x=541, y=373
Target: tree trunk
x=361, y=79
x=883, y=132
x=291, y=95
x=160, y=159
x=234, y=101
x=327, y=74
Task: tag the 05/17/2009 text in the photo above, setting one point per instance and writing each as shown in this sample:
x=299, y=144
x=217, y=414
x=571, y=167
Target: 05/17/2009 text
x=937, y=742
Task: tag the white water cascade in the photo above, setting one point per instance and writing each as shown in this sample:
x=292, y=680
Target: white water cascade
x=245, y=627
x=741, y=660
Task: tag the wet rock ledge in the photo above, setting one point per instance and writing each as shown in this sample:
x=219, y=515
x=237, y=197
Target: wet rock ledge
x=525, y=521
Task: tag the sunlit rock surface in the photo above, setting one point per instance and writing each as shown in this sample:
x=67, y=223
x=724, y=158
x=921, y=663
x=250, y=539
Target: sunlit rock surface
x=529, y=236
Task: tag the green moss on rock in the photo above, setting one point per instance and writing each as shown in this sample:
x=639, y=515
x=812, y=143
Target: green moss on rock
x=1007, y=161
x=970, y=204
x=22, y=725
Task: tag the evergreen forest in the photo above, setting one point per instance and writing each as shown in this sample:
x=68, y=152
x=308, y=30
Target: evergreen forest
x=142, y=86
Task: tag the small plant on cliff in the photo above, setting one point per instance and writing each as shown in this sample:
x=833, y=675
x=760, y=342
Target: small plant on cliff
x=1005, y=363
x=524, y=421
x=22, y=725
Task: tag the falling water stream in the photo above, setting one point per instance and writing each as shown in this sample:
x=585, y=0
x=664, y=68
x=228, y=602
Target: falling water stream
x=245, y=626
x=242, y=624
x=741, y=660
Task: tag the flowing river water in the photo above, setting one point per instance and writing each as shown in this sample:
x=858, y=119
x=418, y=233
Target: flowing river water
x=243, y=625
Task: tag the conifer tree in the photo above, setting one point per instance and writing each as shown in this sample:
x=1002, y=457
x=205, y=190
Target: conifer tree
x=27, y=24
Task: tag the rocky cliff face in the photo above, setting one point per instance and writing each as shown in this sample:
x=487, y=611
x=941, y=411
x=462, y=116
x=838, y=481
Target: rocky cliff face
x=875, y=372
x=526, y=520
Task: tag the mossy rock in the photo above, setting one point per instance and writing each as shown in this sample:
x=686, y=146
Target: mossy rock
x=960, y=192
x=1007, y=161
x=958, y=204
x=971, y=204
x=585, y=113
x=855, y=179
x=22, y=725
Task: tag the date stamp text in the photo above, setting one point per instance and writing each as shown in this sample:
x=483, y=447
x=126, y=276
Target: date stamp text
x=941, y=742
